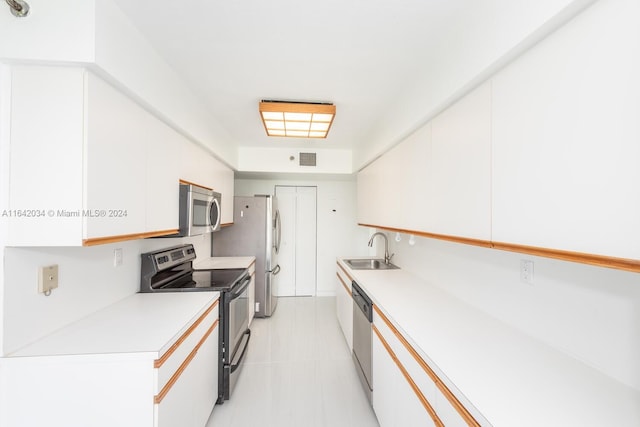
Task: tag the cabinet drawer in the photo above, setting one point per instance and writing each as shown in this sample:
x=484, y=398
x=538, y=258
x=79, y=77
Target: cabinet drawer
x=168, y=365
x=345, y=277
x=436, y=398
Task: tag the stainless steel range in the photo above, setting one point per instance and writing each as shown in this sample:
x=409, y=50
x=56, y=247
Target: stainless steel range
x=171, y=270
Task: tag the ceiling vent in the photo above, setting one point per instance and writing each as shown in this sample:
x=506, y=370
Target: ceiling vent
x=307, y=159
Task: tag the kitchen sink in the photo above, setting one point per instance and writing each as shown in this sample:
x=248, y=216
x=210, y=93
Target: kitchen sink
x=369, y=264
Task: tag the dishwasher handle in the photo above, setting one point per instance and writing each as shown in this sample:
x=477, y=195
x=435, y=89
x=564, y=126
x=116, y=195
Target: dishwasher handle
x=362, y=301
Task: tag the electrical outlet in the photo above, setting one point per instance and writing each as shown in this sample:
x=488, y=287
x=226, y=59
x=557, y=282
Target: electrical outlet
x=47, y=279
x=526, y=271
x=117, y=257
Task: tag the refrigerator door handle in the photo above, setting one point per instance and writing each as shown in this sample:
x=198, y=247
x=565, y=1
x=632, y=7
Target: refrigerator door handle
x=276, y=270
x=278, y=231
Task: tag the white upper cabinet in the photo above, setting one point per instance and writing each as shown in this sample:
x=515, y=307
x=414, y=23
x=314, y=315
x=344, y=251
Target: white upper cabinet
x=116, y=132
x=46, y=156
x=89, y=165
x=418, y=208
x=438, y=180
x=566, y=142
x=460, y=168
x=201, y=168
x=163, y=175
x=392, y=189
x=370, y=196
x=222, y=182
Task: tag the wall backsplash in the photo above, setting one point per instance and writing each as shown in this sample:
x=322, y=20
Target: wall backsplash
x=88, y=281
x=590, y=313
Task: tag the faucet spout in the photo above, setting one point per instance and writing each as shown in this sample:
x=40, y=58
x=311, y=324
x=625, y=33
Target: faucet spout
x=387, y=257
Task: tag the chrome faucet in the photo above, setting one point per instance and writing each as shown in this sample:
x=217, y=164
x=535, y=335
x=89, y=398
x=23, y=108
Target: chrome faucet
x=387, y=257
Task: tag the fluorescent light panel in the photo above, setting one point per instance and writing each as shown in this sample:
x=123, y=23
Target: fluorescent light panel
x=297, y=119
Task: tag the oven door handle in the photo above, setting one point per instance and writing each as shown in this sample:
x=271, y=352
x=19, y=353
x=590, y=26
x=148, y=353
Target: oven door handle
x=244, y=350
x=243, y=286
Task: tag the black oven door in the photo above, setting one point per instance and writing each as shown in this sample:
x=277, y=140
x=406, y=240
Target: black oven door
x=237, y=333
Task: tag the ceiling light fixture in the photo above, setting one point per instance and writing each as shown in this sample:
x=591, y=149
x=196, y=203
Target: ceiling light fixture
x=297, y=119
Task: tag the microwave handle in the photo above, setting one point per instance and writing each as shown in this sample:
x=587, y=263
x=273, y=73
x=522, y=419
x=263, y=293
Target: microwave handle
x=215, y=209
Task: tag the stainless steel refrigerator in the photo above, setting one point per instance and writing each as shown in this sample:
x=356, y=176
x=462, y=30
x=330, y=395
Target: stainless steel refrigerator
x=256, y=231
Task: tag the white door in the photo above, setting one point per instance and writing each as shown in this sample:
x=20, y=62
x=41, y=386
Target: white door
x=297, y=257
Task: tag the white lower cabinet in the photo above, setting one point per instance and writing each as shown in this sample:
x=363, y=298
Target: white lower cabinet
x=71, y=384
x=394, y=401
x=344, y=305
x=404, y=389
x=191, y=398
x=187, y=388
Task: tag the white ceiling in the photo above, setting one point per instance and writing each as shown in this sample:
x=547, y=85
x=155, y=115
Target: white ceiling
x=365, y=56
x=358, y=54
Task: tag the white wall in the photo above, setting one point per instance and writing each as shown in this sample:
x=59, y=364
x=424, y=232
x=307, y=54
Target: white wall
x=590, y=313
x=338, y=234
x=258, y=159
x=88, y=281
x=97, y=33
x=61, y=30
x=125, y=55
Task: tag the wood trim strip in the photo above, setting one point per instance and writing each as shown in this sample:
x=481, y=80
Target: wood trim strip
x=425, y=403
x=184, y=181
x=174, y=378
x=456, y=239
x=345, y=272
x=124, y=237
x=159, y=362
x=625, y=264
x=226, y=224
x=344, y=285
x=457, y=405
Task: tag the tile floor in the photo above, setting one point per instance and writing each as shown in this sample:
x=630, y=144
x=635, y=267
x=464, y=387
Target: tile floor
x=298, y=372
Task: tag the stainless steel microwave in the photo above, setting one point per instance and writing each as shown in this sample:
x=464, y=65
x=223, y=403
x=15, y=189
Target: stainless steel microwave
x=199, y=210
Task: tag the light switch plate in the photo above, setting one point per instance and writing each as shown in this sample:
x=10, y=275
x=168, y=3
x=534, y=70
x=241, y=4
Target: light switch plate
x=47, y=278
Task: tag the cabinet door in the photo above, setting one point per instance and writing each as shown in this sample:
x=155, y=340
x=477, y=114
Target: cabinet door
x=46, y=156
x=115, y=161
x=382, y=190
x=163, y=175
x=344, y=307
x=190, y=400
x=196, y=165
x=385, y=378
x=205, y=391
x=566, y=159
x=394, y=400
x=417, y=207
x=460, y=168
x=227, y=188
x=370, y=203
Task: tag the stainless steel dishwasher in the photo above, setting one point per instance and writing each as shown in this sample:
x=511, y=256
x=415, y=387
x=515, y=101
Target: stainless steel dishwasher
x=362, y=318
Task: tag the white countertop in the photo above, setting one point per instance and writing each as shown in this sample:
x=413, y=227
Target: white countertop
x=508, y=377
x=143, y=323
x=224, y=262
